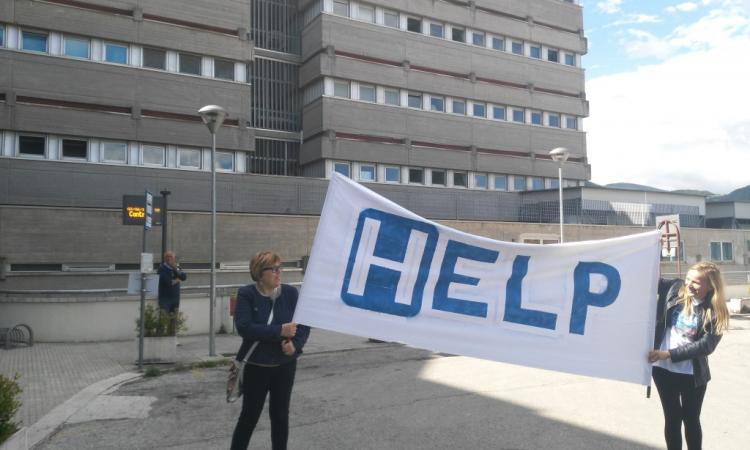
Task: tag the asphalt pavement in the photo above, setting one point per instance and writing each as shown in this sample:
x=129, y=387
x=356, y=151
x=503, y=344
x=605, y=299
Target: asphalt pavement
x=351, y=393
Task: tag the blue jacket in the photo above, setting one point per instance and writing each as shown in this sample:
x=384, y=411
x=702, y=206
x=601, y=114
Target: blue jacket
x=251, y=320
x=705, y=342
x=169, y=293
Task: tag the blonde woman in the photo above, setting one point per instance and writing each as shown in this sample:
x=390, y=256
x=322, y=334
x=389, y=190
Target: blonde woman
x=690, y=320
x=271, y=366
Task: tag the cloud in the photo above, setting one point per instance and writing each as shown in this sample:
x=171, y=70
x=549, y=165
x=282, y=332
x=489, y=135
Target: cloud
x=634, y=19
x=684, y=7
x=719, y=25
x=679, y=124
x=609, y=6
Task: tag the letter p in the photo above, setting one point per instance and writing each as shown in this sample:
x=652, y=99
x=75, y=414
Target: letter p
x=582, y=295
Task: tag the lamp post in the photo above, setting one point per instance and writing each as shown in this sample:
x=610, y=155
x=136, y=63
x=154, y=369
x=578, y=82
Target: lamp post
x=213, y=116
x=560, y=155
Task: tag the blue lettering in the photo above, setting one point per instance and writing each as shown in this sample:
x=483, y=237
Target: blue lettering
x=453, y=251
x=582, y=295
x=513, y=310
x=377, y=275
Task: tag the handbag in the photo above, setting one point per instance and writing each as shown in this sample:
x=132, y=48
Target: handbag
x=237, y=369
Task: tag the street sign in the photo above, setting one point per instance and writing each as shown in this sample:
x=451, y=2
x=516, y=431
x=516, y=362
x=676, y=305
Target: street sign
x=134, y=210
x=149, y=210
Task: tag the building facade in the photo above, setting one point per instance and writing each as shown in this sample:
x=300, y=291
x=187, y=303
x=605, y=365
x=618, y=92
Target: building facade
x=447, y=107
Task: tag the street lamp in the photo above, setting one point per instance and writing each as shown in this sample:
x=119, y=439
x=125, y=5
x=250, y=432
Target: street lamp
x=560, y=155
x=213, y=116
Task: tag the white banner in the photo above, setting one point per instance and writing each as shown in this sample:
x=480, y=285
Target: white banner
x=380, y=271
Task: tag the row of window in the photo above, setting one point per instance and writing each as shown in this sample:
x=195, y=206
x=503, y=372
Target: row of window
x=79, y=47
x=394, y=19
x=445, y=104
x=368, y=172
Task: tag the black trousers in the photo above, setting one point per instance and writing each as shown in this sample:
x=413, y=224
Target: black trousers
x=259, y=381
x=681, y=402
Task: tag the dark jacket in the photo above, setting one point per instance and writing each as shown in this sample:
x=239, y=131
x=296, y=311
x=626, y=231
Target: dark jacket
x=251, y=320
x=169, y=292
x=705, y=341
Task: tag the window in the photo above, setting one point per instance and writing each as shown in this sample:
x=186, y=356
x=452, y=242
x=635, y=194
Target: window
x=501, y=182
x=519, y=183
x=416, y=176
x=498, y=43
x=537, y=183
x=392, y=174
x=516, y=47
x=413, y=24
x=480, y=181
x=571, y=123
x=31, y=145
x=478, y=39
x=190, y=64
x=341, y=88
x=341, y=9
x=535, y=51
x=458, y=34
x=554, y=120
x=518, y=116
x=392, y=97
x=154, y=58
x=114, y=152
x=460, y=179
x=536, y=117
x=570, y=59
x=459, y=107
x=498, y=112
x=75, y=148
x=225, y=161
x=553, y=55
x=415, y=100
x=479, y=110
x=366, y=13
x=390, y=19
x=342, y=168
x=115, y=53
x=436, y=30
x=437, y=103
x=77, y=47
x=189, y=158
x=152, y=155
x=367, y=93
x=554, y=183
x=34, y=42
x=2, y=35
x=224, y=69
x=438, y=177
x=721, y=251
x=367, y=172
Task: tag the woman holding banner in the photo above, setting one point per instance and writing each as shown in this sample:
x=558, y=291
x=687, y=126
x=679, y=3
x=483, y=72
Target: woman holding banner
x=690, y=320
x=264, y=320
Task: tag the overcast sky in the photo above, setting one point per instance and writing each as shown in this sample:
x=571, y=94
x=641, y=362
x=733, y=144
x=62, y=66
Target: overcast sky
x=668, y=84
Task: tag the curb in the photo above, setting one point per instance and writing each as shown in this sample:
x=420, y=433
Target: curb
x=28, y=437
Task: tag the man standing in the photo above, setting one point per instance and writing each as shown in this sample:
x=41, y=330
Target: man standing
x=170, y=277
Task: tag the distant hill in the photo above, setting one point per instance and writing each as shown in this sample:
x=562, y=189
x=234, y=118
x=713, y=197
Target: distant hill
x=634, y=187
x=738, y=195
x=693, y=192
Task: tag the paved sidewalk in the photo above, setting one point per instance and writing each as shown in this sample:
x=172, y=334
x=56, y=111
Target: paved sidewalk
x=58, y=376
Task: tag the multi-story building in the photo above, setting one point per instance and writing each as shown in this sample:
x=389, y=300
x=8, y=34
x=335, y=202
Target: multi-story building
x=449, y=107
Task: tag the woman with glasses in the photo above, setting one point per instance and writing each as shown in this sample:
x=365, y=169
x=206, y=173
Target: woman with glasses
x=272, y=364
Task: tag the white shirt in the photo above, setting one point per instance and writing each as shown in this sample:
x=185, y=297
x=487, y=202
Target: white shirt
x=682, y=330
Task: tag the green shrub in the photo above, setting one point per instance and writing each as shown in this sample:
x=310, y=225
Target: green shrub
x=151, y=371
x=9, y=390
x=156, y=322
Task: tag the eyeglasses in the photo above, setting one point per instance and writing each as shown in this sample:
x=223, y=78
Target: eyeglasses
x=274, y=269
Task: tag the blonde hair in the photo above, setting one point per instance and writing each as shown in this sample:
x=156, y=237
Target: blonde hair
x=716, y=309
x=260, y=261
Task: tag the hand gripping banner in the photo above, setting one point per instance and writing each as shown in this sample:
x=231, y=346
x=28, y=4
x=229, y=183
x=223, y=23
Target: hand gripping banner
x=380, y=271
